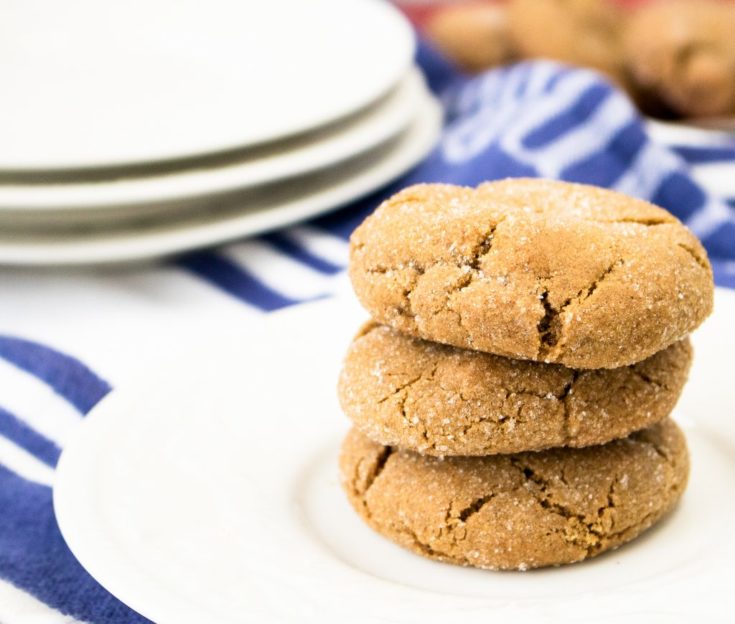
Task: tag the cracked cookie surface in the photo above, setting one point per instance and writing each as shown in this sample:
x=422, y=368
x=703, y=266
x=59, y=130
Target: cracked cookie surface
x=532, y=269
x=518, y=511
x=441, y=400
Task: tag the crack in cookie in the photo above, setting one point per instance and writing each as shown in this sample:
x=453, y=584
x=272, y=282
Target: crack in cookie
x=532, y=269
x=442, y=400
x=520, y=511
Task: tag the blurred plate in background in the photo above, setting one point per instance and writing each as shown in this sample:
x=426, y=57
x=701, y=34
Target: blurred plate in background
x=174, y=228
x=31, y=202
x=90, y=84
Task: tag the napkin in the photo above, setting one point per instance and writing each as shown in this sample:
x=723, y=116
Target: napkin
x=68, y=337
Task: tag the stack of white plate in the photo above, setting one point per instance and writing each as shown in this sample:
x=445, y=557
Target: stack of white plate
x=144, y=128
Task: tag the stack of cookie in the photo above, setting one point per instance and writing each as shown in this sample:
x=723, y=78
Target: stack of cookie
x=510, y=398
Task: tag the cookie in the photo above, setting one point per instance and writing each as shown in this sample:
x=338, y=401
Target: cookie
x=532, y=269
x=517, y=511
x=475, y=36
x=440, y=400
x=684, y=51
x=579, y=32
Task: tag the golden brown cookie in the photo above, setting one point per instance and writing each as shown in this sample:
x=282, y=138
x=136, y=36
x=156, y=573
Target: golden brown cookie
x=439, y=400
x=684, y=50
x=475, y=36
x=517, y=511
x=533, y=269
x=580, y=32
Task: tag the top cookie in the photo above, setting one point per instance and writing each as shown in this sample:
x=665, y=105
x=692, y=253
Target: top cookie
x=532, y=269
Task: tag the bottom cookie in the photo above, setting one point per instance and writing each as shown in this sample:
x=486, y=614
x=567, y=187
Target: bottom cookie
x=520, y=511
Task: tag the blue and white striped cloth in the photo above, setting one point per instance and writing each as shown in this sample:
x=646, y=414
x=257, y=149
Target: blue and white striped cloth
x=68, y=337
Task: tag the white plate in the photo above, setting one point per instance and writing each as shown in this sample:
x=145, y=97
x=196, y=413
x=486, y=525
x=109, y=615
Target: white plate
x=101, y=84
x=222, y=219
x=287, y=159
x=209, y=493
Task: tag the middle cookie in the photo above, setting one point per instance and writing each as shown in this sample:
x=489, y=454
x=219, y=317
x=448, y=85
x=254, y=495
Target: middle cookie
x=440, y=400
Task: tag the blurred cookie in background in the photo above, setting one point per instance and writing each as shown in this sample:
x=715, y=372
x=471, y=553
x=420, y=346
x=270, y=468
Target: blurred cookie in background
x=683, y=51
x=474, y=35
x=579, y=32
x=674, y=58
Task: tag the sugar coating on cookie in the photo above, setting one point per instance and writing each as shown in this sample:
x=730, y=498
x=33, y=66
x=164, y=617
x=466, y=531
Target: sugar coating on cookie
x=517, y=511
x=533, y=269
x=441, y=400
x=684, y=51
